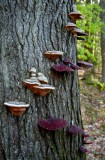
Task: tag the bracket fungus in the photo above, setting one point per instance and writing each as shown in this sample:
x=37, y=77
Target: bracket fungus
x=70, y=26
x=84, y=64
x=53, y=54
x=16, y=108
x=72, y=65
x=85, y=135
x=52, y=124
x=42, y=79
x=32, y=81
x=75, y=15
x=43, y=89
x=75, y=130
x=62, y=68
x=78, y=32
x=87, y=142
x=38, y=84
x=83, y=149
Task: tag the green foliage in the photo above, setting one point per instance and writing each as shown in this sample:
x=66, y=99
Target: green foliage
x=96, y=83
x=90, y=49
x=99, y=85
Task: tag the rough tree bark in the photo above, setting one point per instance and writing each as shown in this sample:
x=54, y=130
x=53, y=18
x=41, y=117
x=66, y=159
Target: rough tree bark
x=102, y=4
x=28, y=28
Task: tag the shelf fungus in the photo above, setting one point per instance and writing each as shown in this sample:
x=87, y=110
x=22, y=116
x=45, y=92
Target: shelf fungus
x=62, y=68
x=53, y=54
x=16, y=108
x=75, y=15
x=72, y=65
x=38, y=83
x=83, y=149
x=85, y=135
x=52, y=124
x=87, y=142
x=32, y=81
x=42, y=79
x=84, y=64
x=75, y=130
x=70, y=26
x=43, y=89
x=78, y=32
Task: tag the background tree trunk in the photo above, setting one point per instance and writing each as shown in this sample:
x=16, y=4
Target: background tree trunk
x=28, y=28
x=102, y=4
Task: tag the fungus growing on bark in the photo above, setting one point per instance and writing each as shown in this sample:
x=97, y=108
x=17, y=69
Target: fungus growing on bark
x=74, y=129
x=53, y=54
x=84, y=64
x=72, y=65
x=70, y=26
x=75, y=15
x=42, y=78
x=32, y=81
x=29, y=83
x=52, y=124
x=78, y=32
x=85, y=135
x=43, y=89
x=16, y=108
x=62, y=68
x=83, y=149
x=67, y=60
x=87, y=142
x=33, y=72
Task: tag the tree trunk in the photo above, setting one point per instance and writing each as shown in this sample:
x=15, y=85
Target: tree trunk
x=28, y=28
x=102, y=4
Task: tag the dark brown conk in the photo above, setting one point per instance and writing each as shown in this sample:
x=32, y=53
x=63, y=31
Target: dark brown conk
x=78, y=32
x=70, y=26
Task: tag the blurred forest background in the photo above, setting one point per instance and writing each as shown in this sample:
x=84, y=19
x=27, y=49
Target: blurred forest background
x=92, y=81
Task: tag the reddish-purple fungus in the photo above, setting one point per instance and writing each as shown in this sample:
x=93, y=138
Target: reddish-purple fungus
x=84, y=64
x=87, y=142
x=62, y=68
x=67, y=60
x=74, y=129
x=85, y=135
x=52, y=124
x=83, y=149
x=72, y=65
x=75, y=67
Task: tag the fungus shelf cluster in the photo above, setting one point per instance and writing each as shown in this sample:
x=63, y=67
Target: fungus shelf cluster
x=65, y=66
x=38, y=83
x=71, y=26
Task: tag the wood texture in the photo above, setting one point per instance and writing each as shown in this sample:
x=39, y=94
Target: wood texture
x=29, y=28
